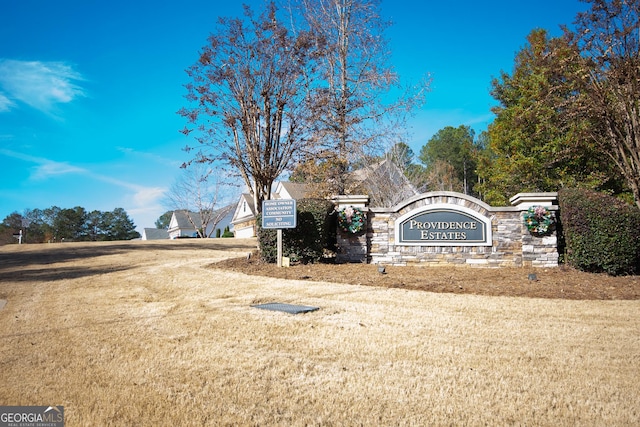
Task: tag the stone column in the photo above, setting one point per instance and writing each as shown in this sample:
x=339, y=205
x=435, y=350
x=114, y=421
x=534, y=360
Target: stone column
x=537, y=251
x=352, y=247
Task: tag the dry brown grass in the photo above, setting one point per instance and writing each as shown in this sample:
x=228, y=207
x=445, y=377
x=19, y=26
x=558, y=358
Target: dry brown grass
x=145, y=333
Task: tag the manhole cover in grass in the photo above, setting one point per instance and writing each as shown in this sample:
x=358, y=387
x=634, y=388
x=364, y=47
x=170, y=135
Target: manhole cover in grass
x=287, y=308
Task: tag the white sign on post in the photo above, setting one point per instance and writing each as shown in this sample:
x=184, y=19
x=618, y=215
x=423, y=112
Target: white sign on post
x=279, y=214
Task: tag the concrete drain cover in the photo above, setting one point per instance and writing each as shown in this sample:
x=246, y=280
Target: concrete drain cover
x=287, y=308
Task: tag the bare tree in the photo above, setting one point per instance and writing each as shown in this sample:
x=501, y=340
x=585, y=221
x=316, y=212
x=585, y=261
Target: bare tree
x=608, y=38
x=386, y=179
x=198, y=194
x=442, y=176
x=352, y=121
x=249, y=103
x=383, y=180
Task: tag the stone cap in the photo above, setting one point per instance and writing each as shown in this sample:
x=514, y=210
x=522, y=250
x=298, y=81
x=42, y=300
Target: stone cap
x=355, y=200
x=525, y=200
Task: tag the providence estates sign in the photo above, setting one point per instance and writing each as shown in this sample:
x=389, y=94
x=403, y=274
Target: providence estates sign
x=439, y=228
x=443, y=225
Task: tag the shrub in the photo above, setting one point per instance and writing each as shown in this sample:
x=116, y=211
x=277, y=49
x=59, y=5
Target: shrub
x=600, y=232
x=314, y=232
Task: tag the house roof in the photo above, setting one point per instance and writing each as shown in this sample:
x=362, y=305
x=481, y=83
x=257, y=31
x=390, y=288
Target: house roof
x=294, y=190
x=155, y=234
x=240, y=214
x=182, y=220
x=385, y=183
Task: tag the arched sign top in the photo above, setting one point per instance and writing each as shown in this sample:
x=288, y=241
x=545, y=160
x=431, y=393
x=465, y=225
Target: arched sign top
x=441, y=194
x=443, y=225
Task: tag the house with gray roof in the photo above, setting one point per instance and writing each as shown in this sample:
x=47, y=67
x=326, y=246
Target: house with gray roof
x=383, y=181
x=244, y=217
x=185, y=223
x=154, y=234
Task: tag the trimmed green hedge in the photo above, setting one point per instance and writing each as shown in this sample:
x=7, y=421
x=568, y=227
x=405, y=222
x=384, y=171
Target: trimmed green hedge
x=306, y=243
x=227, y=233
x=602, y=233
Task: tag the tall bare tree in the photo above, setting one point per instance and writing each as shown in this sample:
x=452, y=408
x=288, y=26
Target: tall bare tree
x=608, y=38
x=198, y=193
x=383, y=181
x=352, y=118
x=249, y=103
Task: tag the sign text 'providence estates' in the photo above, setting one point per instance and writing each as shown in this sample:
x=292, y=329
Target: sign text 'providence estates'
x=443, y=226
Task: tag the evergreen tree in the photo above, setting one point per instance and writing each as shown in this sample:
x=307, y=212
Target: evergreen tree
x=164, y=220
x=537, y=141
x=450, y=159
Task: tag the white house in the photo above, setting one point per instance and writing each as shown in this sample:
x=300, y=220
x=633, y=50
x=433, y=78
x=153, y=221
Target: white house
x=383, y=181
x=244, y=217
x=185, y=224
x=154, y=234
x=289, y=190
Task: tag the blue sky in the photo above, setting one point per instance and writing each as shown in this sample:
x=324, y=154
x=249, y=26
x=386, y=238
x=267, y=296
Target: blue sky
x=89, y=89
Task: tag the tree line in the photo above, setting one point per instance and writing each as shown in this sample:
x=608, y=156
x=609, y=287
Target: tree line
x=56, y=224
x=306, y=91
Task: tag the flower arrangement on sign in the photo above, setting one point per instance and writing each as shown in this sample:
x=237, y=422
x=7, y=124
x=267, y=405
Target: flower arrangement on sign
x=351, y=220
x=539, y=220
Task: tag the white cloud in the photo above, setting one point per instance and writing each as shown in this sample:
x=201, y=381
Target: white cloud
x=141, y=202
x=44, y=168
x=145, y=206
x=148, y=156
x=5, y=103
x=51, y=168
x=41, y=85
x=147, y=196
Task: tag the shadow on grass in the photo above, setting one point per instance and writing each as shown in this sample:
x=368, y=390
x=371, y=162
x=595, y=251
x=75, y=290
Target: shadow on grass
x=30, y=262
x=53, y=274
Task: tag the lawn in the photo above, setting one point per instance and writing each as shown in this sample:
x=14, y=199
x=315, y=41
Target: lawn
x=148, y=333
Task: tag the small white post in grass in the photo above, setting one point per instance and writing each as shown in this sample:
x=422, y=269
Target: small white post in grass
x=279, y=247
